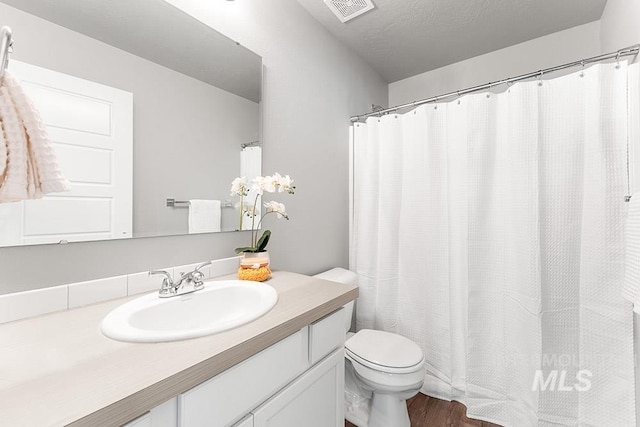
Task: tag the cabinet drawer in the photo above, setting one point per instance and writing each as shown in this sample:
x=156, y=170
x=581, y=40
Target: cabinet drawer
x=165, y=415
x=228, y=396
x=325, y=335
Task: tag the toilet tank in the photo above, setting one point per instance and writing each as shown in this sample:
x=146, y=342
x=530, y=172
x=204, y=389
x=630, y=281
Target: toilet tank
x=341, y=275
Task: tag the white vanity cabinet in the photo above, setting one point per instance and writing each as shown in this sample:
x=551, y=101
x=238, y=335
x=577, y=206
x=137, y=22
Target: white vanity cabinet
x=298, y=381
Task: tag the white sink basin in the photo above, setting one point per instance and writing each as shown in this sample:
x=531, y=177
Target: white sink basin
x=220, y=306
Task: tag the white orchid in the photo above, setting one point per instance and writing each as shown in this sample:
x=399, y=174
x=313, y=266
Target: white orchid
x=278, y=208
x=260, y=185
x=239, y=187
x=285, y=183
x=273, y=183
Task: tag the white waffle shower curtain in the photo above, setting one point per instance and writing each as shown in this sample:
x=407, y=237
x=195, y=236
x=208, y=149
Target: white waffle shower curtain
x=490, y=230
x=251, y=167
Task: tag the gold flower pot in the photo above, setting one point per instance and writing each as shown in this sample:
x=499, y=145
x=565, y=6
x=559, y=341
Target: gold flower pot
x=254, y=266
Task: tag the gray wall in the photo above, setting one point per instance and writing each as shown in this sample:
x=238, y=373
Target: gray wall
x=558, y=48
x=312, y=85
x=620, y=24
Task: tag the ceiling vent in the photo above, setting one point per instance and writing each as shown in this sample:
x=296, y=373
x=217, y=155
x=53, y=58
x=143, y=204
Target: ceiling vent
x=346, y=10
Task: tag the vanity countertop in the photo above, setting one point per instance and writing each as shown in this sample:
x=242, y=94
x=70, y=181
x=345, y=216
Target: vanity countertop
x=59, y=369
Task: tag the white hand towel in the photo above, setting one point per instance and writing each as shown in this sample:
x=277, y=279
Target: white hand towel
x=204, y=216
x=631, y=286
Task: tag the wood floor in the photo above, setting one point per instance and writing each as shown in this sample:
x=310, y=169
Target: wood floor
x=425, y=411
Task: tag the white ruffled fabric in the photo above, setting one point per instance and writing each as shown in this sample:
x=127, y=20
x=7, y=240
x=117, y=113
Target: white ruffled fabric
x=28, y=164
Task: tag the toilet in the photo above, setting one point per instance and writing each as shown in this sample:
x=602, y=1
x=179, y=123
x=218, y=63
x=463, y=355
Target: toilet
x=382, y=370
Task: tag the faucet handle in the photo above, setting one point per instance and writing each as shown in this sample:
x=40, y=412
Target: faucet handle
x=167, y=288
x=167, y=277
x=204, y=264
x=198, y=276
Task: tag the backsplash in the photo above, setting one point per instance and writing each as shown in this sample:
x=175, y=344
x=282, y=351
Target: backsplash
x=22, y=305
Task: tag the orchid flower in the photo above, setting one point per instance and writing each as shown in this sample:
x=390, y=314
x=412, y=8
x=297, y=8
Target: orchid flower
x=260, y=185
x=278, y=208
x=239, y=187
x=285, y=183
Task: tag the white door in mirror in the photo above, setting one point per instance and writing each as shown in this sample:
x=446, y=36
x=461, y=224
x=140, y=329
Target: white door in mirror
x=91, y=126
x=220, y=306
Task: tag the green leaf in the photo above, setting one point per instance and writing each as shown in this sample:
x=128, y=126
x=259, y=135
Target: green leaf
x=239, y=250
x=262, y=243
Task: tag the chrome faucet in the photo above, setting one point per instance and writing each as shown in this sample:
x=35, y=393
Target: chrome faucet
x=187, y=283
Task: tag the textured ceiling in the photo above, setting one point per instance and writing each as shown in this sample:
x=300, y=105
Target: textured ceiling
x=402, y=38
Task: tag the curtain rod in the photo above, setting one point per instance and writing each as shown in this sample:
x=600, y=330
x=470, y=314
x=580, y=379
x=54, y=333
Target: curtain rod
x=627, y=51
x=250, y=144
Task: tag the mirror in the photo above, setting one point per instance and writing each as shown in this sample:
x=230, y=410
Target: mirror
x=189, y=96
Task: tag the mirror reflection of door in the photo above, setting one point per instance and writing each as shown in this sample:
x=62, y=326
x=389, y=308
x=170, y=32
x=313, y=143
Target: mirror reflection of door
x=91, y=127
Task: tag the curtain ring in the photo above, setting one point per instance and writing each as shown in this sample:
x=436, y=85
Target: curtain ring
x=508, y=83
x=618, y=60
x=541, y=73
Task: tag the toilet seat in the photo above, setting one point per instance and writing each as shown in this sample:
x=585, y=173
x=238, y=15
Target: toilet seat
x=382, y=368
x=385, y=352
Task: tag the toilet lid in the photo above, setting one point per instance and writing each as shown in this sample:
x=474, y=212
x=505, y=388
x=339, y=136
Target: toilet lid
x=384, y=349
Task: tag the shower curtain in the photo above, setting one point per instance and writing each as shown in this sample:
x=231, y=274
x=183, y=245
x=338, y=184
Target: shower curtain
x=251, y=167
x=490, y=230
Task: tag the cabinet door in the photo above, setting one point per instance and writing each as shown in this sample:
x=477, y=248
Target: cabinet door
x=91, y=129
x=316, y=399
x=326, y=335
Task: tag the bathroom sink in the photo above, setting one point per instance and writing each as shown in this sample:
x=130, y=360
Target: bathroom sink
x=220, y=306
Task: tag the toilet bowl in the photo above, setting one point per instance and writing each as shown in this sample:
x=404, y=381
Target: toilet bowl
x=382, y=370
